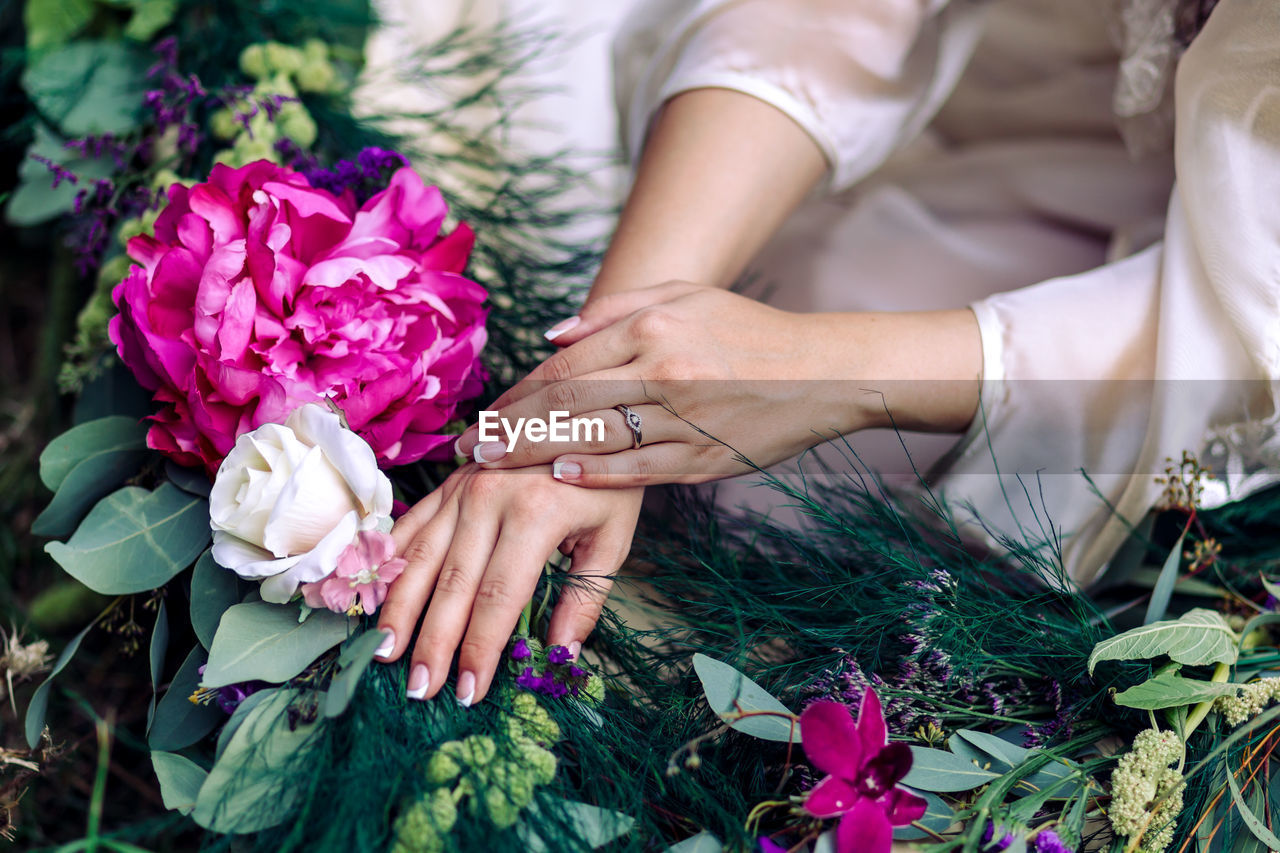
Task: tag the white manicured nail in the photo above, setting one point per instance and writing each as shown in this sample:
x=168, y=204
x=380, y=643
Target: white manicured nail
x=457, y=447
x=490, y=451
x=560, y=328
x=466, y=689
x=575, y=648
x=419, y=681
x=388, y=644
x=566, y=470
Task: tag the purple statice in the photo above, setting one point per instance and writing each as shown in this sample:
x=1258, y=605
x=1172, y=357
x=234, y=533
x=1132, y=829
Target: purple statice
x=993, y=843
x=366, y=176
x=558, y=655
x=1047, y=841
x=59, y=173
x=559, y=678
x=520, y=649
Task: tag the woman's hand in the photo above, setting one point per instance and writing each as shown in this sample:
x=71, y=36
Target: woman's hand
x=716, y=377
x=476, y=548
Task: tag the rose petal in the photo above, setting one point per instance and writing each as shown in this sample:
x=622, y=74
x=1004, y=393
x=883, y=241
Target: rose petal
x=311, y=503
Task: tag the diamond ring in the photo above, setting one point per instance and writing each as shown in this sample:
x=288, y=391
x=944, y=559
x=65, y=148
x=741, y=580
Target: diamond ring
x=632, y=418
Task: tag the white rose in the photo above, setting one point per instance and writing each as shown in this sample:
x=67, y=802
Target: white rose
x=288, y=499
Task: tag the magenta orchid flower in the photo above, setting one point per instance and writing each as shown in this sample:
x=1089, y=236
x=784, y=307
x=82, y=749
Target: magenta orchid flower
x=863, y=770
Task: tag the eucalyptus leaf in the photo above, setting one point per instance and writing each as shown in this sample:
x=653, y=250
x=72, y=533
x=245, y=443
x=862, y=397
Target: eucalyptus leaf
x=703, y=842
x=1272, y=589
x=213, y=590
x=251, y=786
x=938, y=818
x=969, y=752
x=39, y=704
x=179, y=722
x=265, y=642
x=159, y=645
x=134, y=540
x=352, y=663
x=1170, y=690
x=942, y=771
x=1251, y=820
x=36, y=199
x=191, y=480
x=733, y=696
x=149, y=18
x=591, y=824
x=53, y=22
x=238, y=716
x=88, y=87
x=1199, y=637
x=89, y=482
x=180, y=780
x=1011, y=754
x=82, y=443
x=1163, y=590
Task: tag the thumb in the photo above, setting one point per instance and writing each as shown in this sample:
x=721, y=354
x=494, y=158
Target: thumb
x=604, y=311
x=582, y=597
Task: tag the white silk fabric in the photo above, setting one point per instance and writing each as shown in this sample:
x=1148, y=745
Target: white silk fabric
x=976, y=160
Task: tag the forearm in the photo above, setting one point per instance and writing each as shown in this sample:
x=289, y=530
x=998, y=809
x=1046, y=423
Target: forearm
x=916, y=370
x=720, y=172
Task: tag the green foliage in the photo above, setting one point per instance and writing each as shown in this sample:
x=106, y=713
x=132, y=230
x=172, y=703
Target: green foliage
x=180, y=780
x=743, y=704
x=1196, y=638
x=36, y=200
x=88, y=87
x=247, y=774
x=267, y=642
x=940, y=770
x=86, y=442
x=356, y=656
x=1168, y=689
x=178, y=721
x=134, y=540
x=54, y=22
x=39, y=704
x=214, y=590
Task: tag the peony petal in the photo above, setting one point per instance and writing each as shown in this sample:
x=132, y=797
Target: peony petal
x=872, y=733
x=903, y=807
x=307, y=201
x=831, y=797
x=830, y=739
x=865, y=829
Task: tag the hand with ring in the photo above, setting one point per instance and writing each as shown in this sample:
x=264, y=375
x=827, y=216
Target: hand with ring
x=683, y=378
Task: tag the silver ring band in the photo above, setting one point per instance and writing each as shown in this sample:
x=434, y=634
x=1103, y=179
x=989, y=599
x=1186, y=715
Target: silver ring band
x=632, y=418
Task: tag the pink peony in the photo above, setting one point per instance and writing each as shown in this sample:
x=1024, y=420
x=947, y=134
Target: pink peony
x=365, y=569
x=260, y=293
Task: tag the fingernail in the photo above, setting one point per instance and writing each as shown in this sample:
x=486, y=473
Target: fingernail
x=566, y=470
x=560, y=328
x=490, y=451
x=457, y=447
x=419, y=679
x=466, y=689
x=388, y=644
x=575, y=648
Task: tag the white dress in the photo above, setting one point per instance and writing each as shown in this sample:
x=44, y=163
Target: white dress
x=977, y=158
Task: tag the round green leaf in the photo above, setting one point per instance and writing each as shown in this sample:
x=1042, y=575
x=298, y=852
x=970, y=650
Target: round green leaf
x=266, y=642
x=939, y=770
x=353, y=661
x=134, y=540
x=213, y=590
x=179, y=722
x=180, y=780
x=83, y=443
x=744, y=705
x=88, y=87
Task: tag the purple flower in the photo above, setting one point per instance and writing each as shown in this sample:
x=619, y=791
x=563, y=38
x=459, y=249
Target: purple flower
x=863, y=770
x=558, y=655
x=529, y=680
x=520, y=650
x=1047, y=841
x=991, y=844
x=770, y=846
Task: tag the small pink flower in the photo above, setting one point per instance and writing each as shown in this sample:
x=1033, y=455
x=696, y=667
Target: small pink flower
x=365, y=569
x=863, y=770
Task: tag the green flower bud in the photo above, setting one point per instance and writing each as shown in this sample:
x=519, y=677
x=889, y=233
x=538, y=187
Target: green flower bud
x=317, y=76
x=502, y=812
x=224, y=124
x=283, y=58
x=479, y=749
x=296, y=123
x=442, y=768
x=315, y=50
x=529, y=720
x=253, y=61
x=162, y=180
x=593, y=690
x=541, y=761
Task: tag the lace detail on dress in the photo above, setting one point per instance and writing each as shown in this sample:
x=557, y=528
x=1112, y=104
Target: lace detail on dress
x=1243, y=457
x=1151, y=35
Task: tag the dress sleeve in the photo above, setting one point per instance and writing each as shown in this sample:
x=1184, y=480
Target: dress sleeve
x=1123, y=367
x=862, y=77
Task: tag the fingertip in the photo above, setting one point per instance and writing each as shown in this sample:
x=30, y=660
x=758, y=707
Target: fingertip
x=559, y=330
x=567, y=470
x=387, y=647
